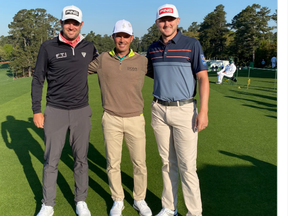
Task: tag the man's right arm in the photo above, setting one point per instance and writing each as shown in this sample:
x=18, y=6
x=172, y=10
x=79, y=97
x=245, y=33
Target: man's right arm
x=38, y=119
x=37, y=86
x=150, y=71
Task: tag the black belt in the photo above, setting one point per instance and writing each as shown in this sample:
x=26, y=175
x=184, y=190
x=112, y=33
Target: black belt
x=174, y=103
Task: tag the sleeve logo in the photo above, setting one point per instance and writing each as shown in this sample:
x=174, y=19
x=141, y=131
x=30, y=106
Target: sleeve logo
x=203, y=59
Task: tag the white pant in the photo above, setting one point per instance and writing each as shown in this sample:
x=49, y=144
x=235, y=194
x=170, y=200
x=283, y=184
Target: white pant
x=221, y=74
x=177, y=146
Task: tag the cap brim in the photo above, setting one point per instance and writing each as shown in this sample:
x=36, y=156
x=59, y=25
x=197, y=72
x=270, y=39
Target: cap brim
x=166, y=15
x=71, y=17
x=123, y=32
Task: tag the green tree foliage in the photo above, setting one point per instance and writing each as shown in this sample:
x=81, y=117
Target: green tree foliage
x=213, y=33
x=102, y=44
x=7, y=48
x=54, y=25
x=152, y=35
x=266, y=51
x=136, y=45
x=2, y=54
x=106, y=42
x=251, y=27
x=5, y=40
x=192, y=30
x=191, y=34
x=274, y=16
x=194, y=27
x=28, y=30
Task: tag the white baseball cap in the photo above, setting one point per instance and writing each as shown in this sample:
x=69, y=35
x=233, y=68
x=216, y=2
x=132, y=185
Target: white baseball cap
x=72, y=12
x=167, y=10
x=123, y=26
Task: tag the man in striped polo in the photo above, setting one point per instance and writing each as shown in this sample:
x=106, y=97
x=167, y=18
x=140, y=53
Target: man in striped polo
x=176, y=62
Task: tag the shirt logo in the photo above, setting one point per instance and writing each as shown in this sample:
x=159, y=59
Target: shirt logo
x=61, y=55
x=132, y=68
x=83, y=54
x=203, y=59
x=165, y=10
x=72, y=12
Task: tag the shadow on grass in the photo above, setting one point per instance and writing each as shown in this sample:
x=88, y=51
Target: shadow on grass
x=6, y=67
x=9, y=73
x=271, y=106
x=264, y=89
x=255, y=95
x=275, y=117
x=23, y=144
x=97, y=158
x=239, y=190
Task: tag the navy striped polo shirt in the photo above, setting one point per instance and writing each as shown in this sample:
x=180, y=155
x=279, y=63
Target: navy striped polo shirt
x=175, y=66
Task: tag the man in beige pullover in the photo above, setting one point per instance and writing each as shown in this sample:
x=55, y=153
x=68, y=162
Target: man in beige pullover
x=121, y=76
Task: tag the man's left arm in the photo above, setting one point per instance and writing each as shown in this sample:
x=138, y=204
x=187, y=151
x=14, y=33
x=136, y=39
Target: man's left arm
x=202, y=117
x=93, y=66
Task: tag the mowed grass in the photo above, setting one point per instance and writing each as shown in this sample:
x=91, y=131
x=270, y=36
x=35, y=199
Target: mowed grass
x=237, y=154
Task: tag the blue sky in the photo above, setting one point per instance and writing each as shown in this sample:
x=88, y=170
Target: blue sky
x=100, y=16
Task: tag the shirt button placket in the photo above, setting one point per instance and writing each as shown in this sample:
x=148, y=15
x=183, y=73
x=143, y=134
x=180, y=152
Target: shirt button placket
x=165, y=52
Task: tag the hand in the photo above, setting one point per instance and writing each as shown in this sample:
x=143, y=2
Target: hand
x=201, y=121
x=38, y=120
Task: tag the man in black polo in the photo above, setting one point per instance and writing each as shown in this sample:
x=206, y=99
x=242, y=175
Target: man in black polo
x=63, y=61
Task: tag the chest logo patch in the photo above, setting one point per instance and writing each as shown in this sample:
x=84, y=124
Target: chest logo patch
x=61, y=55
x=132, y=68
x=83, y=54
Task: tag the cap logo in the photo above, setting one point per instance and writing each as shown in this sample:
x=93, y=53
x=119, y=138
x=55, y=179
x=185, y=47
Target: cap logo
x=72, y=12
x=165, y=10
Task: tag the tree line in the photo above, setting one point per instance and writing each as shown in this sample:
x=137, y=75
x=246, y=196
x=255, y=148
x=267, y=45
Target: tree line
x=248, y=38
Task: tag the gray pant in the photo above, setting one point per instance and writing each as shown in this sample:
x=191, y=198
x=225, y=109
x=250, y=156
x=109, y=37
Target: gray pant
x=57, y=122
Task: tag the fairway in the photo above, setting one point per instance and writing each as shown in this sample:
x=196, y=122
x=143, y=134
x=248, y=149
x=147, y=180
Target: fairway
x=237, y=153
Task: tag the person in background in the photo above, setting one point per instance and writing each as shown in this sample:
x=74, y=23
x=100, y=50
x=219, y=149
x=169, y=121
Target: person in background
x=228, y=71
x=64, y=61
x=177, y=63
x=263, y=63
x=121, y=76
x=273, y=61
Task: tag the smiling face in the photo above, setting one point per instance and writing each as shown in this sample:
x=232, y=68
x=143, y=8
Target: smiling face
x=168, y=27
x=122, y=43
x=71, y=29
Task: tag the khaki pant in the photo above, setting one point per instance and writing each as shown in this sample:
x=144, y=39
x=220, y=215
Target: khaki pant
x=133, y=130
x=177, y=145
